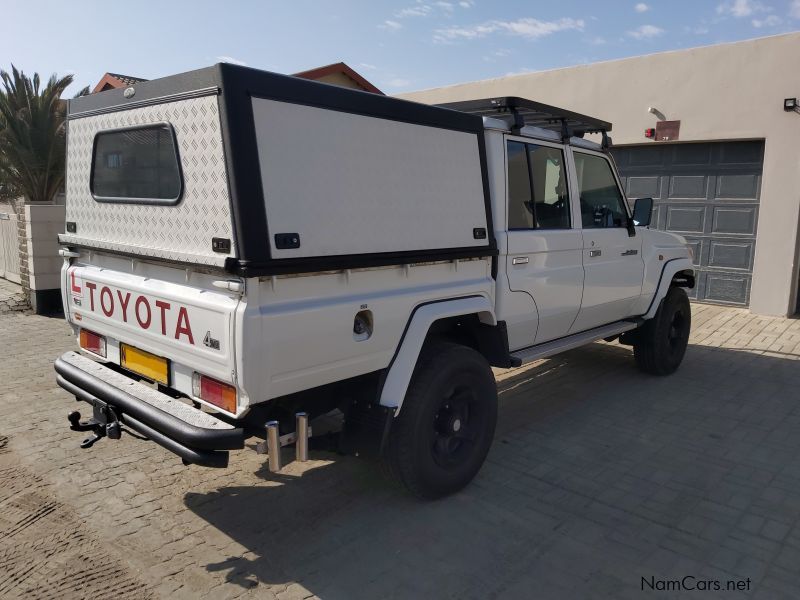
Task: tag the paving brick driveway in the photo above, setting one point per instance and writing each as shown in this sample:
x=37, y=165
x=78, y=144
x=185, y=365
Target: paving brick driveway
x=599, y=476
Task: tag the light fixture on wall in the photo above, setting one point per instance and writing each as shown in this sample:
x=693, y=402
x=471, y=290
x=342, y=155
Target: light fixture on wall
x=790, y=104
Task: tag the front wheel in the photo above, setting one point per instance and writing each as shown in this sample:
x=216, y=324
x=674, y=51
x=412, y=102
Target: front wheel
x=445, y=427
x=661, y=342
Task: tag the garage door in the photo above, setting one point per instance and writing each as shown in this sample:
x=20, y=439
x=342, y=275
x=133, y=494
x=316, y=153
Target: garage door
x=709, y=193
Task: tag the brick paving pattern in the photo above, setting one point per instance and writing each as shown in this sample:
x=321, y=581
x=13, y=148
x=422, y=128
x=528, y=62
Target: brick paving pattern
x=599, y=476
x=12, y=298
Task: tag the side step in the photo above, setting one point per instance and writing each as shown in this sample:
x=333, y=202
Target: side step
x=532, y=353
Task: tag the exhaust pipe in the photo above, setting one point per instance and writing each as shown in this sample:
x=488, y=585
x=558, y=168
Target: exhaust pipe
x=273, y=446
x=301, y=444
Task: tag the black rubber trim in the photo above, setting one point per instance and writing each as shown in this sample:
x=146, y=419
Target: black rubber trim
x=204, y=458
x=487, y=201
x=243, y=166
x=658, y=285
x=245, y=268
x=169, y=425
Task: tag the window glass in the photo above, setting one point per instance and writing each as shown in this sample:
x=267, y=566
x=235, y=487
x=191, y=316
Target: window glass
x=551, y=199
x=538, y=196
x=520, y=212
x=138, y=164
x=601, y=201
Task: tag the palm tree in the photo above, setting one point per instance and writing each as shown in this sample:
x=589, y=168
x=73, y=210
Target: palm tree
x=32, y=136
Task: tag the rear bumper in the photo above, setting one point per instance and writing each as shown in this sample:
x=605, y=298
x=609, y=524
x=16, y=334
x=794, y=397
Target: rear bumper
x=197, y=437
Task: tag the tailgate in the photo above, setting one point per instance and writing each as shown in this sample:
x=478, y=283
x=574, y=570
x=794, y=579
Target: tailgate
x=190, y=325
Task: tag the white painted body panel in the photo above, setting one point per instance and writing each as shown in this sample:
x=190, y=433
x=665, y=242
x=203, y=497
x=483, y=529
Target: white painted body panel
x=301, y=327
x=284, y=335
x=553, y=276
x=352, y=184
x=160, y=309
x=612, y=280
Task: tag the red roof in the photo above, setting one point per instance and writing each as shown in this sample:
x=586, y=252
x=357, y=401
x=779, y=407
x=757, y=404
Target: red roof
x=112, y=81
x=345, y=70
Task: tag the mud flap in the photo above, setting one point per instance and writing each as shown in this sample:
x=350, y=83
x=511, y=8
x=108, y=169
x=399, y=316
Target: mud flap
x=366, y=429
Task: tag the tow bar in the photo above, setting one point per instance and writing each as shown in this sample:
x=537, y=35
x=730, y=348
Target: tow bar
x=104, y=423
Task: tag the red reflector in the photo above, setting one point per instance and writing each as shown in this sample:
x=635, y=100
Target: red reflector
x=214, y=392
x=92, y=342
x=650, y=133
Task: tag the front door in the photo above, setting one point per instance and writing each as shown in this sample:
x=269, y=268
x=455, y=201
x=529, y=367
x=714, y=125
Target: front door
x=544, y=248
x=612, y=258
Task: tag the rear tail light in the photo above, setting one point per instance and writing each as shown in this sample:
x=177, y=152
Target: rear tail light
x=92, y=342
x=214, y=392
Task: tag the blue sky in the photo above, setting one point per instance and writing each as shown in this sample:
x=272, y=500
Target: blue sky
x=398, y=45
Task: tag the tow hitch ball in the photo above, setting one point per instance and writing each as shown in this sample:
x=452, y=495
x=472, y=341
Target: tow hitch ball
x=103, y=423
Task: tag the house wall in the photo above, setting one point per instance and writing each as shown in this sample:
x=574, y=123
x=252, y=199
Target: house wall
x=43, y=223
x=724, y=92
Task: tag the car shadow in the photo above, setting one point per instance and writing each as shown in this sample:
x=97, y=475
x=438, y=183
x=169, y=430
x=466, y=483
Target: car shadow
x=593, y=474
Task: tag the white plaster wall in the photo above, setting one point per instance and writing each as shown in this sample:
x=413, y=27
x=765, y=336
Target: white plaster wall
x=43, y=224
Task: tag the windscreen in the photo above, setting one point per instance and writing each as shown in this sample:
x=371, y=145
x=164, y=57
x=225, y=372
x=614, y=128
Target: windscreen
x=136, y=165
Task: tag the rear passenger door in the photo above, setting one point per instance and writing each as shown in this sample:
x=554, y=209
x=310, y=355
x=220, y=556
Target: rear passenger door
x=544, y=246
x=612, y=258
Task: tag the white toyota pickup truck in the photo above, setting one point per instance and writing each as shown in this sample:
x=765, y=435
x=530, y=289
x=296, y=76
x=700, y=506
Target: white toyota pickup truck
x=246, y=251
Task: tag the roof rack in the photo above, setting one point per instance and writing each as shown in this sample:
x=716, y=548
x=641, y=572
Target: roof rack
x=523, y=112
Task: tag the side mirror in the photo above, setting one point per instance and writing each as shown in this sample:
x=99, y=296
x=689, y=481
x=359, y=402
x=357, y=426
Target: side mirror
x=642, y=212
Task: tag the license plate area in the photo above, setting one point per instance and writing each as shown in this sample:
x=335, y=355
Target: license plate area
x=151, y=367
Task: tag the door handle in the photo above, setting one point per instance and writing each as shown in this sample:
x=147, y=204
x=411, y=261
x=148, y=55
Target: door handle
x=520, y=260
x=630, y=253
x=595, y=252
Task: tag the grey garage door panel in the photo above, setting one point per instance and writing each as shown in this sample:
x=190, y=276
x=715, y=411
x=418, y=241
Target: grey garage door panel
x=732, y=219
x=714, y=253
x=682, y=218
x=709, y=193
x=643, y=187
x=725, y=288
x=688, y=186
x=710, y=218
x=730, y=254
x=743, y=186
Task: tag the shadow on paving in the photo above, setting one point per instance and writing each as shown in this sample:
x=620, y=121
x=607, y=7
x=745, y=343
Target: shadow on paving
x=599, y=476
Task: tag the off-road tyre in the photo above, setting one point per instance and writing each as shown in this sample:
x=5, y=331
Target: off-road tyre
x=660, y=343
x=440, y=438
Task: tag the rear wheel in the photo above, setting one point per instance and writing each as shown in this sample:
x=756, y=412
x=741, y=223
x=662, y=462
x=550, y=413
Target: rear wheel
x=443, y=432
x=661, y=342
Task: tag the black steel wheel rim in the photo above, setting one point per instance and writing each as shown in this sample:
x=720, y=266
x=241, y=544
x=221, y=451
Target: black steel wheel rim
x=457, y=425
x=678, y=329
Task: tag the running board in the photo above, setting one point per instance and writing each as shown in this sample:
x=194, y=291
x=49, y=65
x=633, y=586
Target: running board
x=526, y=355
